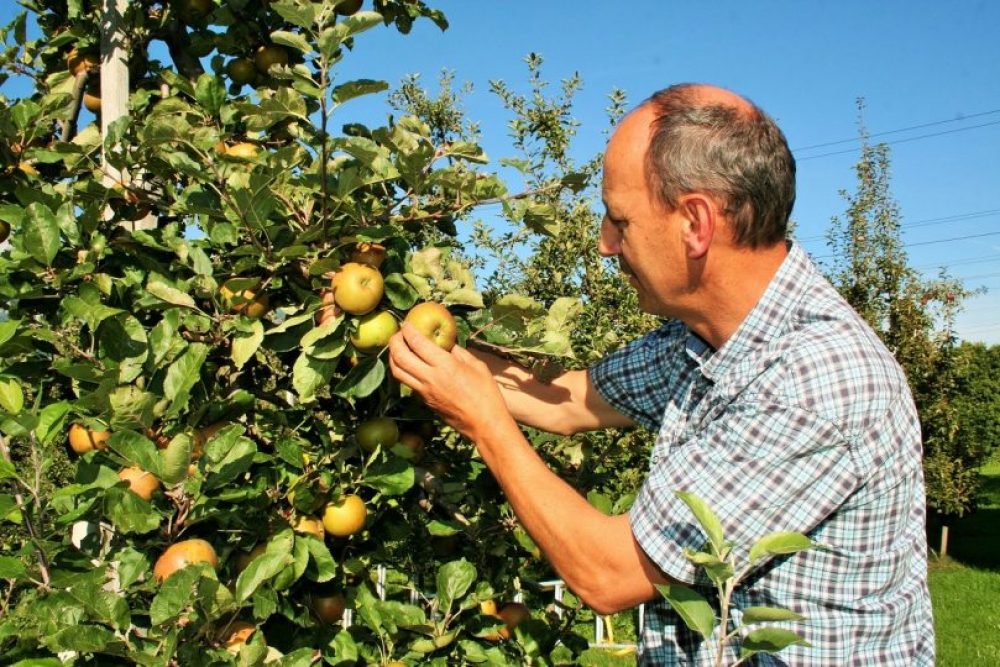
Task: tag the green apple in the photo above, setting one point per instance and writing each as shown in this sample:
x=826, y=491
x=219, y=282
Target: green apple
x=434, y=321
x=381, y=431
x=374, y=331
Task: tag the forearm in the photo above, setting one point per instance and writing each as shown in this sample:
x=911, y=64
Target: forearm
x=567, y=404
x=595, y=554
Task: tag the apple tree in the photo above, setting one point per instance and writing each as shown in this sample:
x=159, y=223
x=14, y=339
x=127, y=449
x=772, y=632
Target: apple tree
x=203, y=458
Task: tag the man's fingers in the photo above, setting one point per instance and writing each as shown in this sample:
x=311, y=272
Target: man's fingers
x=422, y=346
x=405, y=377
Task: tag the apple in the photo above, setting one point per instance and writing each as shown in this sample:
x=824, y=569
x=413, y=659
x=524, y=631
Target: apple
x=236, y=634
x=381, y=431
x=511, y=614
x=141, y=483
x=92, y=100
x=268, y=56
x=83, y=440
x=372, y=254
x=345, y=516
x=245, y=558
x=410, y=447
x=434, y=321
x=249, y=303
x=241, y=71
x=374, y=331
x=77, y=61
x=242, y=150
x=329, y=608
x=357, y=288
x=192, y=11
x=4, y=230
x=348, y=7
x=310, y=525
x=182, y=554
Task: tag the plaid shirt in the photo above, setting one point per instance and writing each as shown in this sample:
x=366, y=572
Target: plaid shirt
x=802, y=421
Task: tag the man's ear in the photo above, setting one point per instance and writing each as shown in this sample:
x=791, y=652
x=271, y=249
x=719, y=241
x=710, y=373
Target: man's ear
x=701, y=219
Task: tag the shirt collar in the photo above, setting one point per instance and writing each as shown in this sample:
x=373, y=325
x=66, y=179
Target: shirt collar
x=768, y=319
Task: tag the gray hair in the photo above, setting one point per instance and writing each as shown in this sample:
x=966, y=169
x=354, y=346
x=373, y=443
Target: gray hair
x=738, y=155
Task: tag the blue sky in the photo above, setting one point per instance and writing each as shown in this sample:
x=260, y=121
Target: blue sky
x=916, y=62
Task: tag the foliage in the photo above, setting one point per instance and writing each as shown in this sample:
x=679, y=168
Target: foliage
x=206, y=345
x=913, y=315
x=977, y=399
x=718, y=560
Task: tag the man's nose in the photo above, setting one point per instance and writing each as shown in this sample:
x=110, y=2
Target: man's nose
x=609, y=240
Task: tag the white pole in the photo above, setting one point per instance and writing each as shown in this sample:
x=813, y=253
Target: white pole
x=115, y=87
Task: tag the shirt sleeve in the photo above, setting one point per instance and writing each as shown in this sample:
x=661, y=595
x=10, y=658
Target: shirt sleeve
x=635, y=379
x=760, y=468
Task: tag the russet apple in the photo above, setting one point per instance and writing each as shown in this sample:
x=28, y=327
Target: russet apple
x=374, y=331
x=434, y=321
x=357, y=288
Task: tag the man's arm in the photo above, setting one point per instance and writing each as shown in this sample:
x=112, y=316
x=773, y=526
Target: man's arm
x=595, y=554
x=568, y=404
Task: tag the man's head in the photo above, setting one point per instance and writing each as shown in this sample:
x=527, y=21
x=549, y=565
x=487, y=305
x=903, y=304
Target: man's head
x=693, y=168
x=711, y=140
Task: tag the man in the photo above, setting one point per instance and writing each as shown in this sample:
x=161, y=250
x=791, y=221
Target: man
x=771, y=398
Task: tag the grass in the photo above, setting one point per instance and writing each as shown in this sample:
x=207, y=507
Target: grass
x=965, y=585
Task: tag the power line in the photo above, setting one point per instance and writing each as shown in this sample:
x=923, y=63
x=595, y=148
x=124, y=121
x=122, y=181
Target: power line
x=960, y=262
x=934, y=242
x=930, y=221
x=902, y=141
x=902, y=129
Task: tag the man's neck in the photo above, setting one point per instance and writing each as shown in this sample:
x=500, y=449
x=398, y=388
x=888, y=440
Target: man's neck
x=729, y=292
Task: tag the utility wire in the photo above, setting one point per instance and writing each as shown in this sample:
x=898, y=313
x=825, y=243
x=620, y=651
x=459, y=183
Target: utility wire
x=934, y=242
x=902, y=141
x=902, y=129
x=958, y=217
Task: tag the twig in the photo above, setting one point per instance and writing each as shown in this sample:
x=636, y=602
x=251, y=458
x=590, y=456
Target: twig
x=432, y=486
x=79, y=85
x=43, y=561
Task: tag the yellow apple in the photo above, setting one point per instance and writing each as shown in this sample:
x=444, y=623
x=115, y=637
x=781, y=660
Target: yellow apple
x=357, y=288
x=345, y=516
x=434, y=321
x=374, y=331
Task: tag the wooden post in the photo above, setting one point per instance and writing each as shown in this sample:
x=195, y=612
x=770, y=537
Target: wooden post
x=115, y=89
x=944, y=542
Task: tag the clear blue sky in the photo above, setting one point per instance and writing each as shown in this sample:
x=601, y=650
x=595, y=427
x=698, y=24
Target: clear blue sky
x=916, y=62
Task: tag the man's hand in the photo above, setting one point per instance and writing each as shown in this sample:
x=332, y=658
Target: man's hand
x=454, y=384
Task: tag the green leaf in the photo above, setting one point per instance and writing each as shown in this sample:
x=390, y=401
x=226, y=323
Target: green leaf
x=11, y=568
x=7, y=470
x=717, y=569
x=393, y=477
x=41, y=233
x=344, y=648
x=7, y=330
x=770, y=640
x=301, y=14
x=230, y=458
x=210, y=91
x=292, y=39
x=136, y=449
x=464, y=297
x=183, y=374
x=245, y=343
x=80, y=638
x=363, y=379
x=399, y=292
x=768, y=615
x=693, y=609
x=453, y=581
x=326, y=567
x=542, y=219
x=261, y=569
x=706, y=517
x=779, y=544
x=175, y=458
x=176, y=593
x=129, y=513
x=309, y=375
x=11, y=396
x=171, y=295
x=351, y=89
